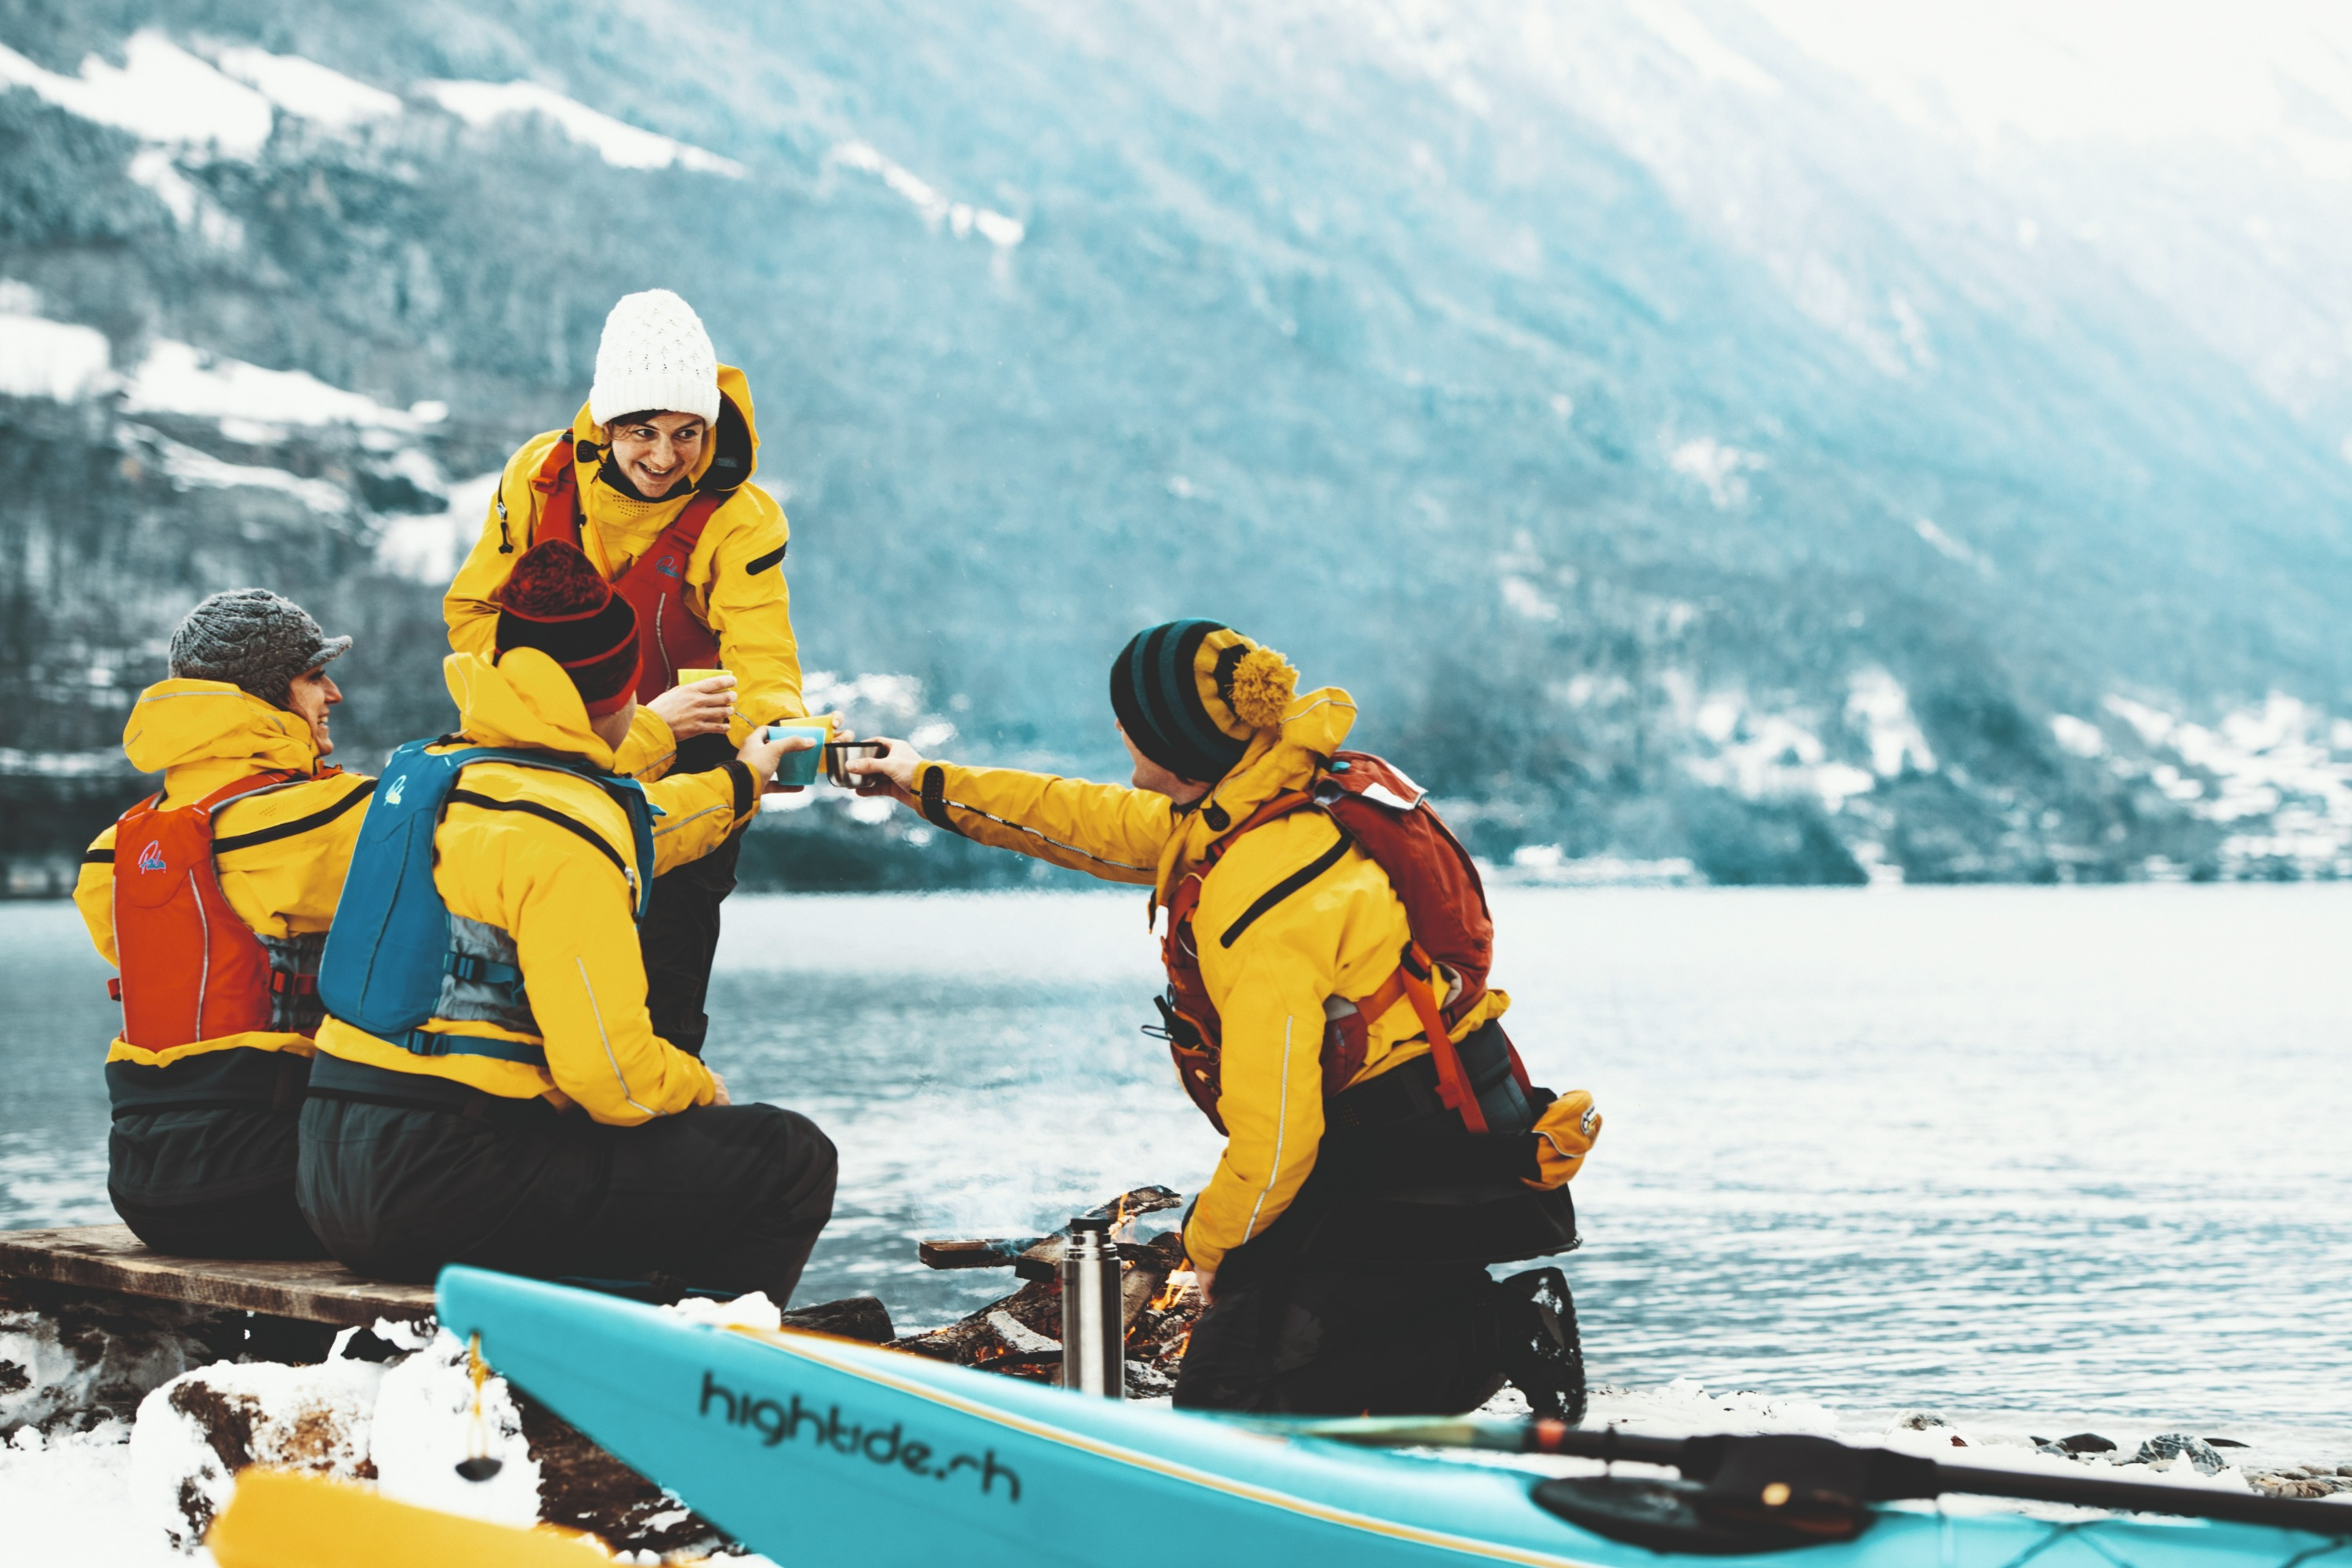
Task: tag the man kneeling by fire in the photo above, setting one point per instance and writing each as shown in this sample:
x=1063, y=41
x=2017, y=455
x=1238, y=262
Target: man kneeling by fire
x=1327, y=950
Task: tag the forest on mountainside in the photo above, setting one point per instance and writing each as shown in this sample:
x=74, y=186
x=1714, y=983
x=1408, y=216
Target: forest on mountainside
x=1631, y=548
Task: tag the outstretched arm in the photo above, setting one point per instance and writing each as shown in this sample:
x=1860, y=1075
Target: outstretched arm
x=1104, y=830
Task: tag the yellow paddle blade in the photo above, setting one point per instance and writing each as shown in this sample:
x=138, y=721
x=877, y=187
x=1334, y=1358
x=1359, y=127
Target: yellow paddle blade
x=281, y=1519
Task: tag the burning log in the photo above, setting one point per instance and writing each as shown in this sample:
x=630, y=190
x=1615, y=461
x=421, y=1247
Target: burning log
x=1019, y=1335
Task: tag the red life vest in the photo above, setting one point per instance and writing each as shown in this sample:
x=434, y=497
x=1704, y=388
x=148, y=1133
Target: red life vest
x=191, y=969
x=669, y=637
x=1389, y=818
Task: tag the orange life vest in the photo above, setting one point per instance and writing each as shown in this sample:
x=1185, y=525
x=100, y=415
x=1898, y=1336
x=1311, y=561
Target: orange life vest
x=191, y=968
x=1388, y=817
x=669, y=637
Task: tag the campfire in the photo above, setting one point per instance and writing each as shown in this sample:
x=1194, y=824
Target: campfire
x=1019, y=1335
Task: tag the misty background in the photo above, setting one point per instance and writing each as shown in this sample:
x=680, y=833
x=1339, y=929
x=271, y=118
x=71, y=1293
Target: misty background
x=1787, y=441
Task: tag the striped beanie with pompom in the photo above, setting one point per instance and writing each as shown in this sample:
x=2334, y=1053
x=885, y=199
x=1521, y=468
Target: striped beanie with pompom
x=1193, y=695
x=557, y=602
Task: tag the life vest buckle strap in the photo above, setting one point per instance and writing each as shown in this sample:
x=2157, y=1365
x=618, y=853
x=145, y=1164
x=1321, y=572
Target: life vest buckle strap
x=114, y=987
x=479, y=971
x=435, y=1043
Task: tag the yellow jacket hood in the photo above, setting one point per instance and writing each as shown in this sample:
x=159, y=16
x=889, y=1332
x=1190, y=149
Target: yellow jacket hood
x=177, y=723
x=733, y=388
x=1315, y=725
x=521, y=698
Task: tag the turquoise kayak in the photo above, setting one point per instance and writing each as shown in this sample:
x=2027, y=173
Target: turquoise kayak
x=812, y=1449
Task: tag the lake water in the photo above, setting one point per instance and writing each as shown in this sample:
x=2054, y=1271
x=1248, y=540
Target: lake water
x=1973, y=1150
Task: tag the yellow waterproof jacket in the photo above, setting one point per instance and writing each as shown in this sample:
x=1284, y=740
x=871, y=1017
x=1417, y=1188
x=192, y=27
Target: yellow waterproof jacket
x=1335, y=938
x=748, y=610
x=519, y=859
x=280, y=856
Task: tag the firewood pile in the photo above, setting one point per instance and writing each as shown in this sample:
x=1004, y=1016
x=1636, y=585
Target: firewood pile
x=1019, y=1335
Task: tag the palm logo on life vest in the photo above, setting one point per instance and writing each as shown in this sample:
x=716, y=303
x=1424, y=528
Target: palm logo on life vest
x=666, y=566
x=391, y=796
x=152, y=858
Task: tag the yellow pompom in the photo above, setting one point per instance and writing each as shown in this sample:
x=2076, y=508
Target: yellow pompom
x=1263, y=682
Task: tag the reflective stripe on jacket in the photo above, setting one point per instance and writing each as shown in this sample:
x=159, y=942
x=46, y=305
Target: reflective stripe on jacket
x=543, y=857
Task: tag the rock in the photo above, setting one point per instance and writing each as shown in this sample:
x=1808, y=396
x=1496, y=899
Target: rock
x=2087, y=1442
x=2170, y=1445
x=71, y=1359
x=581, y=1487
x=853, y=1318
x=1921, y=1421
x=2223, y=1443
x=195, y=1432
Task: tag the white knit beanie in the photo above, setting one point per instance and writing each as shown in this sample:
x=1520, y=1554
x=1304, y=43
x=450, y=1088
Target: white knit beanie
x=654, y=358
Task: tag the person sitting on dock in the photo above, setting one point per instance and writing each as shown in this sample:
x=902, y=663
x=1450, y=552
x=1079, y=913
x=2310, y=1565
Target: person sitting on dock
x=213, y=898
x=1324, y=930
x=489, y=1088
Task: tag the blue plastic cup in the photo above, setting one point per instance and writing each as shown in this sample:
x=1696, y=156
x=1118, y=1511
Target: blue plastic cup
x=801, y=767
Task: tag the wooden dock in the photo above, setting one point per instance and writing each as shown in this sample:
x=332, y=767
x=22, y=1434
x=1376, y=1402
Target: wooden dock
x=107, y=1258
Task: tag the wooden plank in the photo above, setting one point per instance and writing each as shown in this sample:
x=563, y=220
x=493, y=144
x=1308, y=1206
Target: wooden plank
x=985, y=1252
x=108, y=1257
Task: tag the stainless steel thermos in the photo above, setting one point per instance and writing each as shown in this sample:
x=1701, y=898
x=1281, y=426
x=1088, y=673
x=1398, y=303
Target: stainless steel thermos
x=1094, y=1337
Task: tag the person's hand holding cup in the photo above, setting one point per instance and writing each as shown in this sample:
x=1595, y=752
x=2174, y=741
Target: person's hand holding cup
x=890, y=771
x=769, y=745
x=701, y=703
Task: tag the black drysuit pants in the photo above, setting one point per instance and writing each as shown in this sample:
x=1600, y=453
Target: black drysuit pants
x=1391, y=1341
x=200, y=1158
x=723, y=1198
x=209, y=1182
x=681, y=934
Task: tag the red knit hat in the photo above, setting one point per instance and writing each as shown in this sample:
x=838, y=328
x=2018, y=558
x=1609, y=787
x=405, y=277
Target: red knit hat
x=557, y=602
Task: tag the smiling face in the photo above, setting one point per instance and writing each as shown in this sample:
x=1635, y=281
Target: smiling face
x=310, y=698
x=658, y=452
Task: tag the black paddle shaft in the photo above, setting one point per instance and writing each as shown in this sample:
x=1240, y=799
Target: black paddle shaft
x=1891, y=1475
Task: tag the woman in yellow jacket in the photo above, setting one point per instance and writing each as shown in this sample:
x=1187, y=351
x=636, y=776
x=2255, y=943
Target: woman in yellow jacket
x=1334, y=1288
x=538, y=1121
x=652, y=480
x=208, y=1074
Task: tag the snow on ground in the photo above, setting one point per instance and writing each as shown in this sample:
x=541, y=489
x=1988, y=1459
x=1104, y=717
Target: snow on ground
x=962, y=217
x=619, y=144
x=308, y=89
x=42, y=358
x=66, y=1500
x=2280, y=767
x=180, y=378
x=189, y=470
x=160, y=93
x=429, y=548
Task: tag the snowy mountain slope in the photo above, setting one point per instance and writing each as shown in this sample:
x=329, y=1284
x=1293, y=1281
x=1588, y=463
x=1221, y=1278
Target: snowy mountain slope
x=1682, y=452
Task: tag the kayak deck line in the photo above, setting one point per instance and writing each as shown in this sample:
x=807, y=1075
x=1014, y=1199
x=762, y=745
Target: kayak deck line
x=795, y=1342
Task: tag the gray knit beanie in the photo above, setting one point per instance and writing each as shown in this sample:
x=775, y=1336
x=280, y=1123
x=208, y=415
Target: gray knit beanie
x=253, y=638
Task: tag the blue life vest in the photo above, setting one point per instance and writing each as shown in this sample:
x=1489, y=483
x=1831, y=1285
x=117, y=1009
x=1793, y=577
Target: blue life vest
x=390, y=943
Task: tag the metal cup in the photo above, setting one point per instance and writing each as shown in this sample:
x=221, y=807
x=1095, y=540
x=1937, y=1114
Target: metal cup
x=1094, y=1330
x=839, y=752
